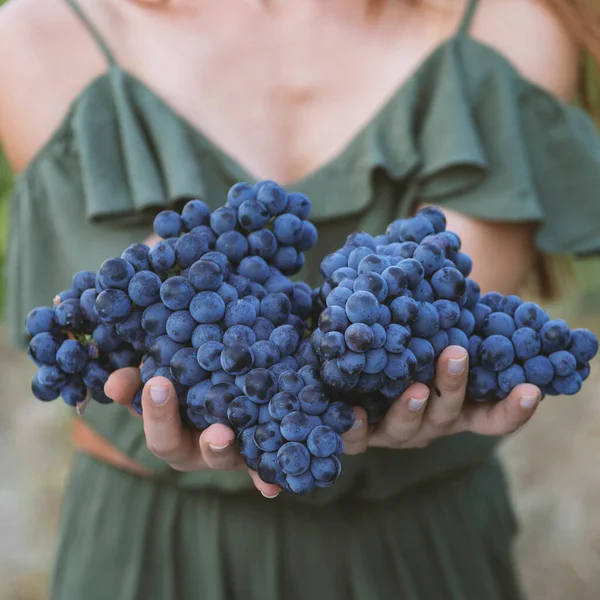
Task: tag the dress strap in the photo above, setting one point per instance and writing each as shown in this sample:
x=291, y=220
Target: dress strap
x=92, y=31
x=465, y=23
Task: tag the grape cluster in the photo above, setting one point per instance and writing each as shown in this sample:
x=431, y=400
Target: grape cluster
x=392, y=303
x=288, y=430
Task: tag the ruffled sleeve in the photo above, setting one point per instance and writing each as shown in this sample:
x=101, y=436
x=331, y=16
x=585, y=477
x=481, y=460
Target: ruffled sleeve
x=515, y=154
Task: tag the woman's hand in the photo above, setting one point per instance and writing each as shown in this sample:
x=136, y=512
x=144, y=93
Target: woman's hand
x=422, y=415
x=167, y=438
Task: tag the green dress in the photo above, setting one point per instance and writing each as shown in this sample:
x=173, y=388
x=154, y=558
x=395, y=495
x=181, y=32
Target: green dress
x=467, y=132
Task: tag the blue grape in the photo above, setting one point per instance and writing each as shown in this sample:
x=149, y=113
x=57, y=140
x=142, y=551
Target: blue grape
x=360, y=239
x=423, y=374
x=240, y=312
x=154, y=319
x=207, y=233
x=242, y=412
x=430, y=256
x=499, y=323
x=293, y=458
x=223, y=219
x=162, y=256
x=257, y=290
x=147, y=370
x=354, y=259
x=241, y=334
x=106, y=338
x=115, y=273
x=267, y=467
x=190, y=247
x=254, y=268
x=72, y=357
x=397, y=338
x=325, y=469
x=291, y=382
x=239, y=193
x=373, y=283
x=282, y=404
x=195, y=213
x=539, y=370
x=583, y=345
x=181, y=326
x=466, y=322
x=196, y=396
x=253, y=215
x=221, y=376
x=74, y=391
x=473, y=350
x=287, y=260
x=262, y=243
x=308, y=238
x=207, y=307
x=278, y=284
x=305, y=355
x=298, y=204
x=449, y=313
x=82, y=281
x=262, y=328
x=219, y=397
x=492, y=299
x=144, y=288
x=163, y=350
x=400, y=366
x=482, y=383
x=449, y=283
x=396, y=279
x=237, y=359
x=233, y=245
x=296, y=426
x=359, y=337
x=333, y=377
x=206, y=333
x=568, y=385
x=276, y=307
x=423, y=292
x=362, y=307
x=496, y=353
x=339, y=416
x=266, y=354
x=473, y=294
x=288, y=229
x=51, y=376
x=331, y=263
x=385, y=316
x=42, y=392
x=260, y=385
x=435, y=216
x=530, y=315
x=375, y=360
x=322, y=441
x=272, y=195
x=481, y=313
x=509, y=304
x=428, y=321
x=205, y=275
x=68, y=314
x=415, y=229
x=463, y=263
x=564, y=363
x=351, y=363
x=43, y=348
x=373, y=263
x=137, y=256
x=555, y=335
x=439, y=342
x=405, y=310
x=300, y=484
x=286, y=338
x=176, y=293
x=268, y=437
x=332, y=345
x=112, y=306
x=423, y=351
x=185, y=367
x=240, y=284
x=130, y=330
x=69, y=295
x=40, y=320
x=313, y=400
x=379, y=336
x=167, y=224
x=124, y=356
x=511, y=378
x=338, y=297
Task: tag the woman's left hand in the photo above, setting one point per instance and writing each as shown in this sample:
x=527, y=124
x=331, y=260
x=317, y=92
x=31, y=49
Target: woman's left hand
x=423, y=414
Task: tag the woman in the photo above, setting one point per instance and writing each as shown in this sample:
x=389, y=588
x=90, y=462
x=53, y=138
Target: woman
x=116, y=107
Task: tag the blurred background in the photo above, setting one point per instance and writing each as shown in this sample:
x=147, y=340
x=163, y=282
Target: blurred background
x=552, y=466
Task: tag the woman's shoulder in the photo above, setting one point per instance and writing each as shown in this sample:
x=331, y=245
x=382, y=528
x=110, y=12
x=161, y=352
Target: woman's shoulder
x=533, y=38
x=46, y=59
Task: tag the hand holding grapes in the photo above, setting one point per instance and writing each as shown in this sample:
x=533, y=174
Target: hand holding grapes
x=422, y=415
x=182, y=448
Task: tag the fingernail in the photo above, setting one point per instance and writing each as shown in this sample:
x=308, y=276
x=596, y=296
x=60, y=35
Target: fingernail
x=270, y=497
x=417, y=403
x=357, y=424
x=457, y=365
x=218, y=448
x=528, y=402
x=158, y=394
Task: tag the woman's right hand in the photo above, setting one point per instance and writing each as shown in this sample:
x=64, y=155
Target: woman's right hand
x=183, y=449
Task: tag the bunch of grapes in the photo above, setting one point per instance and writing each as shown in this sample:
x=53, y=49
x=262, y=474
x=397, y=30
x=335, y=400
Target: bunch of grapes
x=392, y=303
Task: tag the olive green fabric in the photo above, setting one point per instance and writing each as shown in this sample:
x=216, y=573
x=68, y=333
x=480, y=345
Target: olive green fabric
x=465, y=131
x=449, y=540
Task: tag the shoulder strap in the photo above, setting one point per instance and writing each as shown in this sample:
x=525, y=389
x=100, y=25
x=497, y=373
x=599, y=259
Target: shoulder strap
x=92, y=31
x=465, y=23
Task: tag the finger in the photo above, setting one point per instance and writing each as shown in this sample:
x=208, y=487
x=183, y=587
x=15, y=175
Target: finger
x=356, y=440
x=217, y=447
x=268, y=490
x=122, y=385
x=166, y=436
x=403, y=420
x=504, y=417
x=448, y=394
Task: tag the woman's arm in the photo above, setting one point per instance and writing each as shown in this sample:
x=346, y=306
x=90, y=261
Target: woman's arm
x=502, y=258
